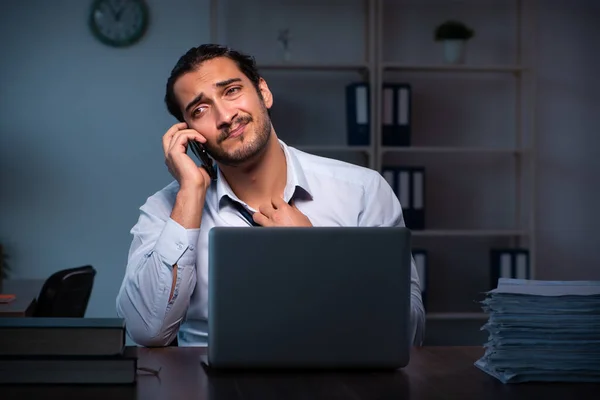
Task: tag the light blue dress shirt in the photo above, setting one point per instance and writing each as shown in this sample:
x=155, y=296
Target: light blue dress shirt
x=336, y=194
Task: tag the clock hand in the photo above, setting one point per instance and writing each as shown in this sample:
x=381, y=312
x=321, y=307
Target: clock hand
x=112, y=10
x=120, y=12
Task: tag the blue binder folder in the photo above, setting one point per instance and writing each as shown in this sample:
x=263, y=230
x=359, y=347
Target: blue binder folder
x=509, y=263
x=358, y=114
x=396, y=115
x=409, y=185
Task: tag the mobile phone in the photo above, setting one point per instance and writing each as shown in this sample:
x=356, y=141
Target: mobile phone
x=200, y=152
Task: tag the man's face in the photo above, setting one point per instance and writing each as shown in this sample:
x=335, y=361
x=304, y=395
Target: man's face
x=222, y=104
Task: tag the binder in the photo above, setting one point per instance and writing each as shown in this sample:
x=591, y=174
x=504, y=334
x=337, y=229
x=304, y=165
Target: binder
x=509, y=263
x=403, y=189
x=420, y=257
x=409, y=186
x=396, y=114
x=418, y=206
x=358, y=114
x=389, y=174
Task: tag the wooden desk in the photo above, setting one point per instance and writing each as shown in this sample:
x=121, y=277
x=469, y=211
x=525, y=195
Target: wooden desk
x=433, y=373
x=26, y=290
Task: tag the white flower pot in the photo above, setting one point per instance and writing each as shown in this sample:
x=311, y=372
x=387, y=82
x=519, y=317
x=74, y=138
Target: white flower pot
x=454, y=51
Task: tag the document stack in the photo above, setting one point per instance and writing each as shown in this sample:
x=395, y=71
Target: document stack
x=542, y=331
x=65, y=351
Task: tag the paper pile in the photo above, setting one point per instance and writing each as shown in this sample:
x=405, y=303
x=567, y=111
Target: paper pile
x=542, y=331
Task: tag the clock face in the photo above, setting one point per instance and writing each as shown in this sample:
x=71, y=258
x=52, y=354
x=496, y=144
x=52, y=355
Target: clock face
x=119, y=23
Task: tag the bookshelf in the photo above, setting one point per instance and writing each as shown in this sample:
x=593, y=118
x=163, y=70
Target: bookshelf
x=484, y=133
x=499, y=150
x=391, y=66
x=313, y=67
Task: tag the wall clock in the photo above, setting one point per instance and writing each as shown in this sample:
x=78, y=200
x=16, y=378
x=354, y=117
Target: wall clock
x=119, y=23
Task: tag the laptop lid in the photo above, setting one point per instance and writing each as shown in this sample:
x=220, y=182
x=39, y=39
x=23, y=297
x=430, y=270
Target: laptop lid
x=319, y=297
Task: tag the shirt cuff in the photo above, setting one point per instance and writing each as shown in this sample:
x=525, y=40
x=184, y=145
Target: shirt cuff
x=177, y=245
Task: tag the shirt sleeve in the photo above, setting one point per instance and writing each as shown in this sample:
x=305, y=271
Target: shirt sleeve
x=382, y=208
x=159, y=244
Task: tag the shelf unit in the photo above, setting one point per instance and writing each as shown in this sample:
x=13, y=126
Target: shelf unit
x=315, y=67
x=521, y=153
x=364, y=69
x=449, y=149
x=515, y=69
x=374, y=69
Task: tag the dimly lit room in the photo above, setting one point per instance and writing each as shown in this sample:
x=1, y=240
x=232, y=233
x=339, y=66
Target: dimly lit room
x=431, y=160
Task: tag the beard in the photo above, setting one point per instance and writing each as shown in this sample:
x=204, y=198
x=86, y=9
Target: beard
x=252, y=145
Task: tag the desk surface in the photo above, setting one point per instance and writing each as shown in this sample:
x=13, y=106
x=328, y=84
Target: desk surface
x=433, y=373
x=26, y=290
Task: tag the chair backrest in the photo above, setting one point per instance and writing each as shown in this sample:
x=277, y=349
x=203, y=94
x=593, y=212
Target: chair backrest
x=66, y=293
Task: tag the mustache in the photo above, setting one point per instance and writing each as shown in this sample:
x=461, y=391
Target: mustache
x=226, y=130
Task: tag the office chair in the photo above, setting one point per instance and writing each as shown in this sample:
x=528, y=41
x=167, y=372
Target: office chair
x=66, y=293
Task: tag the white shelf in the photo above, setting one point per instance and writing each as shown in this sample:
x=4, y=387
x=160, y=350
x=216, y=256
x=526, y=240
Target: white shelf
x=453, y=150
x=468, y=232
x=391, y=66
x=520, y=152
x=313, y=67
x=334, y=149
x=420, y=150
x=457, y=316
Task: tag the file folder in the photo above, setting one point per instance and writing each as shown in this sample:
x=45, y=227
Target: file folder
x=358, y=114
x=420, y=257
x=417, y=191
x=396, y=114
x=410, y=188
x=403, y=189
x=409, y=185
x=389, y=174
x=512, y=263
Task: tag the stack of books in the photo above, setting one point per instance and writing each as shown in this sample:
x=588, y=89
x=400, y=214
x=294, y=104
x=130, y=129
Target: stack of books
x=544, y=331
x=65, y=351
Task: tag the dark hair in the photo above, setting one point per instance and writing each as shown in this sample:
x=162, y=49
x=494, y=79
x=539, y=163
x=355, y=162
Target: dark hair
x=196, y=56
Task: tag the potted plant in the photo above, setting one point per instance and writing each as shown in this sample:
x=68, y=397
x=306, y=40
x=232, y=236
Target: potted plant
x=454, y=35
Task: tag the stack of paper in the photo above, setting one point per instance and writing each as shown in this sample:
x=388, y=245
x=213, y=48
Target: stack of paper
x=542, y=331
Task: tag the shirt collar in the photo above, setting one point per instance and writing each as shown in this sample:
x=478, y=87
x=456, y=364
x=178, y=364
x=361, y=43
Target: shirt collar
x=295, y=188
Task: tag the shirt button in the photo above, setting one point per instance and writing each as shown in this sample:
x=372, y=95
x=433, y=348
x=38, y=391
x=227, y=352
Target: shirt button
x=179, y=246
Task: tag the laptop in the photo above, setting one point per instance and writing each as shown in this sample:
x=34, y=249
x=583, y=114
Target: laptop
x=309, y=298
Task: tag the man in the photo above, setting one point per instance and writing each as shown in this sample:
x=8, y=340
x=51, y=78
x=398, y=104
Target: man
x=222, y=102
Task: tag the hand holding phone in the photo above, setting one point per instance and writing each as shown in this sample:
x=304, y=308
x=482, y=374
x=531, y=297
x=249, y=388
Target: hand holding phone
x=200, y=152
x=176, y=142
